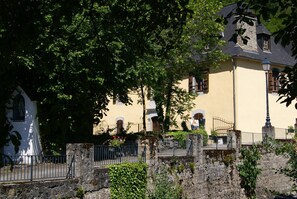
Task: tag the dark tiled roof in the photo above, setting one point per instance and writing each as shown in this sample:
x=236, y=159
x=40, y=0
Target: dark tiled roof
x=277, y=55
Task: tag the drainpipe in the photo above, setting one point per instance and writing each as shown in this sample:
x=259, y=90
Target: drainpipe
x=234, y=93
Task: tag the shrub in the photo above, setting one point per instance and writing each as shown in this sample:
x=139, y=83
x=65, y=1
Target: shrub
x=128, y=180
x=165, y=189
x=248, y=170
x=202, y=132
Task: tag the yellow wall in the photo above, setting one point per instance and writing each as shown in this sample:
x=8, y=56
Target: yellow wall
x=251, y=99
x=219, y=100
x=130, y=113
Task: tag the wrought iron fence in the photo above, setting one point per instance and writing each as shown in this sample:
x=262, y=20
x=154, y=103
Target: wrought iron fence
x=221, y=125
x=105, y=155
x=170, y=147
x=35, y=167
x=219, y=142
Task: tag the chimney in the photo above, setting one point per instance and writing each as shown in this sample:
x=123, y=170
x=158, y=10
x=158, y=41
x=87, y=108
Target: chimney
x=251, y=32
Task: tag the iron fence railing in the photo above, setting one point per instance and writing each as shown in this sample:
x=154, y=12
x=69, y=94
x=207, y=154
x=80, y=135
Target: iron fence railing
x=35, y=167
x=170, y=147
x=284, y=134
x=248, y=138
x=218, y=142
x=105, y=155
x=221, y=125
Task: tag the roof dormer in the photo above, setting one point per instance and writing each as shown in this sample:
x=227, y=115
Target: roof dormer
x=263, y=38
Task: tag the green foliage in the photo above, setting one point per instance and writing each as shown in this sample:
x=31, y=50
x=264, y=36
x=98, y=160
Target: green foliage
x=288, y=150
x=73, y=57
x=288, y=82
x=192, y=167
x=248, y=170
x=214, y=133
x=279, y=16
x=164, y=188
x=228, y=159
x=180, y=167
x=128, y=180
x=181, y=136
x=201, y=31
x=202, y=131
x=116, y=142
x=80, y=192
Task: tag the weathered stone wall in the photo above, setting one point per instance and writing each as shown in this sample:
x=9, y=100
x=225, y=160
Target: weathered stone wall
x=212, y=177
x=38, y=190
x=270, y=179
x=206, y=181
x=97, y=189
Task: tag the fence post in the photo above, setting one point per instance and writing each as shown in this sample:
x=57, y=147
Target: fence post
x=31, y=168
x=268, y=132
x=237, y=143
x=231, y=140
x=150, y=147
x=197, y=148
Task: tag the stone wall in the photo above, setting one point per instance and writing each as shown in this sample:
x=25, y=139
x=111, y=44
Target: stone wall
x=206, y=181
x=211, y=177
x=270, y=179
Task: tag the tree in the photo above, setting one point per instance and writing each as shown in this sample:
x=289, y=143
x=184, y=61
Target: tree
x=199, y=48
x=74, y=57
x=285, y=32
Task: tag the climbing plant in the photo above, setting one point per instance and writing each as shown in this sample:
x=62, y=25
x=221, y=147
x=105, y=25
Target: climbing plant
x=288, y=150
x=248, y=170
x=164, y=188
x=128, y=180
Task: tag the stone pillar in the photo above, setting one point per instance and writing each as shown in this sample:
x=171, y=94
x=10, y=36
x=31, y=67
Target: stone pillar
x=231, y=140
x=148, y=149
x=198, y=152
x=192, y=145
x=268, y=132
x=83, y=164
x=238, y=143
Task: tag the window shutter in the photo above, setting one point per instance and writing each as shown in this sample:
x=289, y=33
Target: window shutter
x=190, y=84
x=149, y=93
x=114, y=99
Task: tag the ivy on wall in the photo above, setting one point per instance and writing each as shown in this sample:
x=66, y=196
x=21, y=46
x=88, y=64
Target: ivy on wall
x=248, y=170
x=128, y=180
x=164, y=186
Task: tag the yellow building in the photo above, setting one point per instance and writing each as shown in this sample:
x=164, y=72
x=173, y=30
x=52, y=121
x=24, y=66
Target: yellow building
x=236, y=92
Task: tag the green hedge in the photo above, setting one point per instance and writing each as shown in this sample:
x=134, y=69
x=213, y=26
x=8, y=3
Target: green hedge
x=181, y=136
x=128, y=180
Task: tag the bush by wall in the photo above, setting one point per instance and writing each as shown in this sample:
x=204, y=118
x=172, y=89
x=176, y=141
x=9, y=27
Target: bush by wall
x=128, y=180
x=164, y=188
x=248, y=170
x=181, y=136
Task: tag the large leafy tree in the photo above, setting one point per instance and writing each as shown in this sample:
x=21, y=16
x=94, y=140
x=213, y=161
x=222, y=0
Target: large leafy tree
x=199, y=48
x=73, y=56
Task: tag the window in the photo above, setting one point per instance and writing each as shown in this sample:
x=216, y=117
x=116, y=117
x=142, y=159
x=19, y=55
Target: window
x=120, y=126
x=199, y=84
x=18, y=108
x=273, y=81
x=149, y=95
x=264, y=42
x=116, y=99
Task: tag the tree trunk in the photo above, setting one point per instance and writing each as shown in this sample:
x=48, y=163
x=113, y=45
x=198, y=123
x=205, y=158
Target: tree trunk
x=143, y=109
